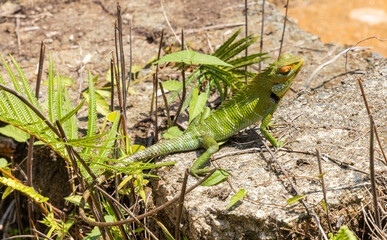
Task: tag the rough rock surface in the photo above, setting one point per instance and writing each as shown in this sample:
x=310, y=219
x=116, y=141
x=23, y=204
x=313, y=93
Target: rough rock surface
x=332, y=119
x=330, y=116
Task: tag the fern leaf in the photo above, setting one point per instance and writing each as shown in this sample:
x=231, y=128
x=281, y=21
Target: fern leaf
x=51, y=92
x=5, y=107
x=59, y=98
x=238, y=48
x=27, y=88
x=70, y=114
x=220, y=51
x=109, y=142
x=15, y=103
x=92, y=121
x=86, y=140
x=29, y=191
x=72, y=124
x=247, y=60
x=13, y=78
x=16, y=106
x=232, y=47
x=219, y=73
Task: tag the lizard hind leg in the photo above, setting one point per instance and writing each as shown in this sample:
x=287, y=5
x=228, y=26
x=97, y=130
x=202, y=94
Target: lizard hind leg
x=211, y=147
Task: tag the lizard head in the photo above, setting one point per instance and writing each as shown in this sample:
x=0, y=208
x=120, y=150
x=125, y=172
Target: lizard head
x=284, y=70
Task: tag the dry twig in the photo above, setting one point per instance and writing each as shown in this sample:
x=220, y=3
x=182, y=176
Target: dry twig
x=307, y=84
x=285, y=172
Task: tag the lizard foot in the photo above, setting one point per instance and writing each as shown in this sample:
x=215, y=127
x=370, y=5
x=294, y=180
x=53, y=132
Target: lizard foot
x=205, y=170
x=201, y=171
x=284, y=143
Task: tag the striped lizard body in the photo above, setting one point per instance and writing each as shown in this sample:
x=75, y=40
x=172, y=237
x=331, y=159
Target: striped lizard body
x=255, y=102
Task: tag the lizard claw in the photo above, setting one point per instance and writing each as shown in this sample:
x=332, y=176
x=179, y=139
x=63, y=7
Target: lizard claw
x=284, y=143
x=281, y=143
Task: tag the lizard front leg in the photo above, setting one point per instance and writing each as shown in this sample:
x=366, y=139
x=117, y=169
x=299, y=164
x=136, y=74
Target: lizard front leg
x=266, y=134
x=266, y=121
x=211, y=147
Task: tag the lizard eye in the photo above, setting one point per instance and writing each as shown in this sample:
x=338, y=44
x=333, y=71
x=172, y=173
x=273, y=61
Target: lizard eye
x=285, y=69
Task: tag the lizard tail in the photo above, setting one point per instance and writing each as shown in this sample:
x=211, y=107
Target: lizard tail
x=179, y=144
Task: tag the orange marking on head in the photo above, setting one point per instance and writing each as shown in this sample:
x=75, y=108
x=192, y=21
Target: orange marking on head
x=285, y=69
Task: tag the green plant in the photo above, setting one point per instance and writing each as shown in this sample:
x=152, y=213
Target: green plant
x=30, y=118
x=223, y=70
x=21, y=109
x=343, y=234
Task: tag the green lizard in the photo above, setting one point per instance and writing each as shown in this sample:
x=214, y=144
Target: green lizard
x=255, y=102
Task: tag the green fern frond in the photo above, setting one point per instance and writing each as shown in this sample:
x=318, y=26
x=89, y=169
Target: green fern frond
x=69, y=115
x=51, y=92
x=59, y=98
x=17, y=113
x=109, y=142
x=26, y=85
x=18, y=108
x=86, y=139
x=89, y=146
x=129, y=168
x=248, y=60
x=12, y=75
x=214, y=71
x=238, y=47
x=92, y=121
x=227, y=43
x=222, y=77
x=28, y=92
x=5, y=107
x=73, y=123
x=29, y=191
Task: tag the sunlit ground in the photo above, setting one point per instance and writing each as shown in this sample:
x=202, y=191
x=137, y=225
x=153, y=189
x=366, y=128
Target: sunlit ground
x=342, y=21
